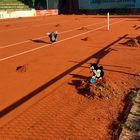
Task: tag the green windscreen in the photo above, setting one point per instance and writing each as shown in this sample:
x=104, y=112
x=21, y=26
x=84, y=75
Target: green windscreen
x=45, y=4
x=53, y=4
x=108, y=4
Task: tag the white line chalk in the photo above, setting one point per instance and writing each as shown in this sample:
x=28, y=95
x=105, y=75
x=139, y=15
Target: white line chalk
x=26, y=41
x=31, y=50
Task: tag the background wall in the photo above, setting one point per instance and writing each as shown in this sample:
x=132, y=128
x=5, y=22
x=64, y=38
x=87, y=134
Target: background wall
x=137, y=4
x=42, y=4
x=108, y=4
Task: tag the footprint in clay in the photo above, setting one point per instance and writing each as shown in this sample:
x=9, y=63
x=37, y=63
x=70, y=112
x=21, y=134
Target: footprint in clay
x=22, y=68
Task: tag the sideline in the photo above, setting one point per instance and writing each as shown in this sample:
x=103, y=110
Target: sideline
x=31, y=50
x=22, y=42
x=28, y=26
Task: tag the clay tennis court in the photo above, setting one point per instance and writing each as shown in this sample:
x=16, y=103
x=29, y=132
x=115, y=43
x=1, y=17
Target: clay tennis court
x=38, y=95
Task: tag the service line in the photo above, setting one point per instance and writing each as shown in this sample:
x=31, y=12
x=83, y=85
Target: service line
x=26, y=41
x=28, y=26
x=32, y=50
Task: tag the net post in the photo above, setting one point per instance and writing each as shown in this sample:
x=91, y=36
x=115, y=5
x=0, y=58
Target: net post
x=108, y=21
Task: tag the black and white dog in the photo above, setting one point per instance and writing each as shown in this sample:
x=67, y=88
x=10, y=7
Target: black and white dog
x=97, y=71
x=52, y=36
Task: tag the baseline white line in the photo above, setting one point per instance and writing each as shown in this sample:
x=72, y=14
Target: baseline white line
x=12, y=56
x=46, y=36
x=5, y=30
x=28, y=26
x=24, y=27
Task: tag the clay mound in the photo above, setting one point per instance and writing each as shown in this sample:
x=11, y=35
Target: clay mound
x=83, y=28
x=137, y=28
x=57, y=25
x=134, y=26
x=138, y=39
x=22, y=68
x=8, y=25
x=85, y=39
x=102, y=90
x=99, y=90
x=131, y=43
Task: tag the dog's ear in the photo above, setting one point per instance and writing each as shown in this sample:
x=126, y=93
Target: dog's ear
x=101, y=67
x=94, y=65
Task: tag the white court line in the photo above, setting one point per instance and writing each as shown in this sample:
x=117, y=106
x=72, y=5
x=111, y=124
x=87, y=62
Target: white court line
x=28, y=26
x=46, y=36
x=31, y=50
x=83, y=26
x=24, y=27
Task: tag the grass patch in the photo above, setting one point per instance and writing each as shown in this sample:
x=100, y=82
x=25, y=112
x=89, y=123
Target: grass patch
x=132, y=127
x=137, y=113
x=122, y=117
x=132, y=95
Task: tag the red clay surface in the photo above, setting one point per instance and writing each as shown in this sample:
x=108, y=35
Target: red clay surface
x=38, y=101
